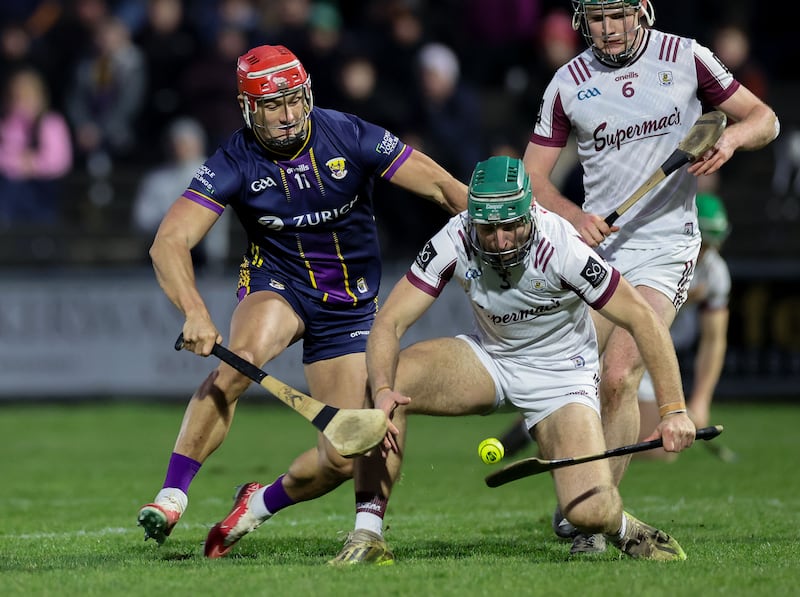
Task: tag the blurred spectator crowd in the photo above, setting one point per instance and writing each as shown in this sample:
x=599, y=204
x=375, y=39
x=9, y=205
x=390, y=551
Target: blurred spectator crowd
x=110, y=105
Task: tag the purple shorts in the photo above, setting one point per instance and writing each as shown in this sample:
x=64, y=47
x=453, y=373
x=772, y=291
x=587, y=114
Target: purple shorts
x=330, y=330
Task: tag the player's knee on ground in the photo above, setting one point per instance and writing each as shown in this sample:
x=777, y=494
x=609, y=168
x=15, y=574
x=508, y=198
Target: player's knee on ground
x=598, y=510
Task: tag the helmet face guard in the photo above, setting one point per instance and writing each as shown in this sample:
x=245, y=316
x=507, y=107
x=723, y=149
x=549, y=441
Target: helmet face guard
x=500, y=201
x=712, y=219
x=272, y=82
x=589, y=11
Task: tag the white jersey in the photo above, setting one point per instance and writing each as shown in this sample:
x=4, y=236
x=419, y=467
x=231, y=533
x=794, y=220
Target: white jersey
x=627, y=121
x=541, y=307
x=710, y=289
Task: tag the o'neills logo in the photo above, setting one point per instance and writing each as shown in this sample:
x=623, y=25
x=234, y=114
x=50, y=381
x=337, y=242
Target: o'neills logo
x=634, y=132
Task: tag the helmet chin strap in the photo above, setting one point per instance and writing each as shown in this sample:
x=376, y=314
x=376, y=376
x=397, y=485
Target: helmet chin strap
x=624, y=57
x=646, y=13
x=503, y=259
x=277, y=142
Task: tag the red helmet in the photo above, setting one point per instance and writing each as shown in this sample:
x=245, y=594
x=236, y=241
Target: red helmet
x=268, y=73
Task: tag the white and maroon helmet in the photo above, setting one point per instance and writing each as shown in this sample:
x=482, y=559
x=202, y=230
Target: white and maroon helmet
x=266, y=73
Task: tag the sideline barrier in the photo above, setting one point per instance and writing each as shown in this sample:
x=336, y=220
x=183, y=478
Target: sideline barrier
x=111, y=333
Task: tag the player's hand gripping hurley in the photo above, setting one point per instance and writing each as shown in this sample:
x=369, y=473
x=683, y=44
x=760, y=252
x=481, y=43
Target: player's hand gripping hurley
x=534, y=466
x=700, y=138
x=351, y=431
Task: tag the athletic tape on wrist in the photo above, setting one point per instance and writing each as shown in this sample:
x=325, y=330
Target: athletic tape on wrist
x=671, y=408
x=380, y=389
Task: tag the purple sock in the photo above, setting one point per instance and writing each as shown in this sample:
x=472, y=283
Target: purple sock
x=275, y=498
x=181, y=471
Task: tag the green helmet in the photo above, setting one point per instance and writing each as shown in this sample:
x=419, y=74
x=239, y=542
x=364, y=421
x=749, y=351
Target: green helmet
x=712, y=219
x=499, y=194
x=580, y=22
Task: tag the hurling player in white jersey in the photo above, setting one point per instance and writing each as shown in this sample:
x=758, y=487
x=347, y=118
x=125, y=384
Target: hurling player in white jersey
x=629, y=99
x=704, y=319
x=530, y=280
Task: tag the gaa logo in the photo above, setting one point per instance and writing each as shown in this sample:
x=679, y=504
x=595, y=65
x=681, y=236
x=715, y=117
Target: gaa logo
x=262, y=184
x=585, y=94
x=472, y=274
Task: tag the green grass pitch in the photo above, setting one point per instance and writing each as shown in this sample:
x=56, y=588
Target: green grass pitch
x=74, y=476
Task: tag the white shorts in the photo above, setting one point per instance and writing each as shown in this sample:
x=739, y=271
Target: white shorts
x=647, y=393
x=668, y=269
x=534, y=391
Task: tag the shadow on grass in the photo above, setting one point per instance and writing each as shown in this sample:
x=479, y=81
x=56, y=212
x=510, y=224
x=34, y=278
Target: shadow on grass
x=511, y=541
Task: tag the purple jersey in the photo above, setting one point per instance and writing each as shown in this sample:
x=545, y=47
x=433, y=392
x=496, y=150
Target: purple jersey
x=309, y=218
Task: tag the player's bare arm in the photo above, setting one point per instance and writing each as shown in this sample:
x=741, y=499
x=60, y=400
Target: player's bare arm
x=627, y=308
x=403, y=307
x=185, y=225
x=539, y=162
x=753, y=124
x=423, y=176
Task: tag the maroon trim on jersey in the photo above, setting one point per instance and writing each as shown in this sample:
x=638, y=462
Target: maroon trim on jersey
x=669, y=48
x=709, y=89
x=579, y=70
x=560, y=129
x=447, y=273
x=433, y=291
x=705, y=307
x=466, y=244
x=544, y=252
x=606, y=296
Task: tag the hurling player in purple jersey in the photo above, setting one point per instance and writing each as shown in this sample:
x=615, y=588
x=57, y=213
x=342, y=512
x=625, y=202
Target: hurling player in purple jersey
x=629, y=98
x=299, y=179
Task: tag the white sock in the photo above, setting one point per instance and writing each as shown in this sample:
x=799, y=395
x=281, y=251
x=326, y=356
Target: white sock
x=257, y=505
x=174, y=497
x=369, y=522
